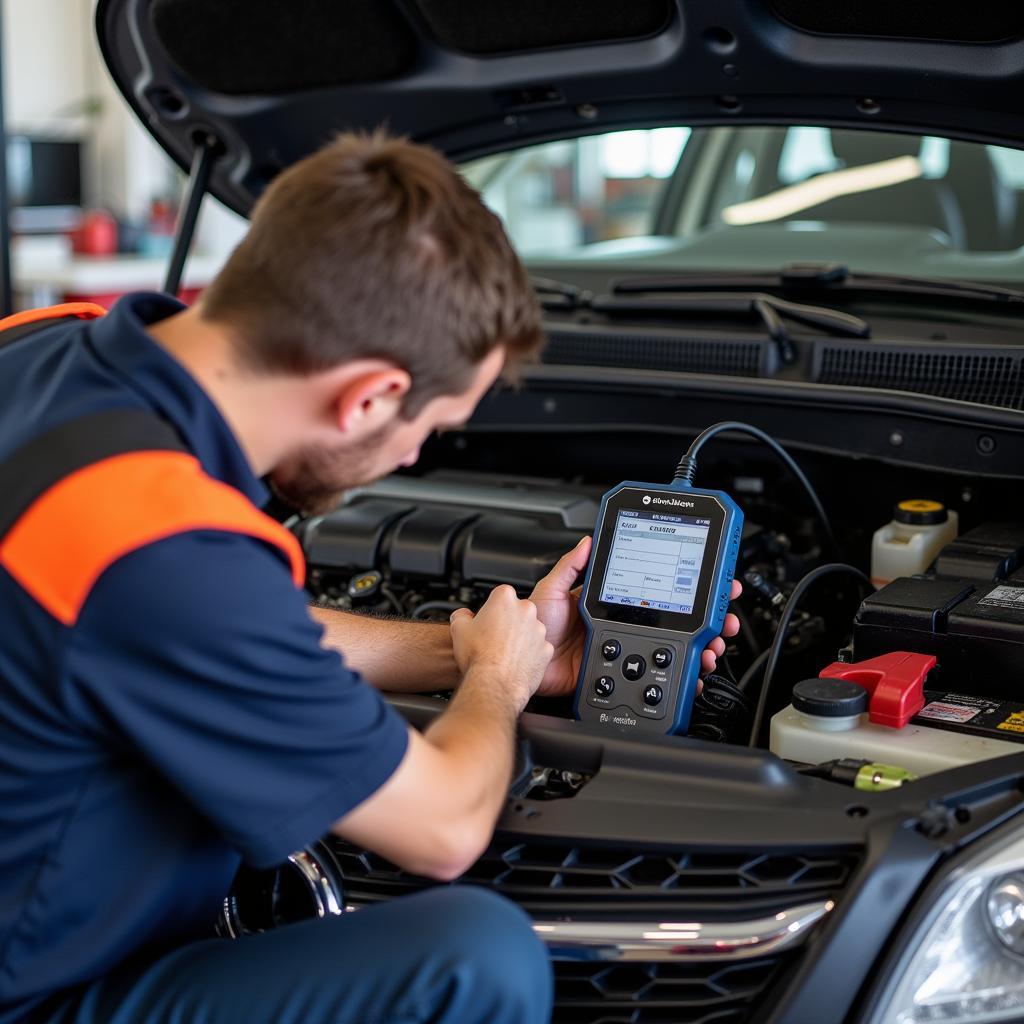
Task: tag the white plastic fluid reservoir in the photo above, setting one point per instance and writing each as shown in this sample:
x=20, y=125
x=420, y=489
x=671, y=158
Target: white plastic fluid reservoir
x=919, y=530
x=827, y=721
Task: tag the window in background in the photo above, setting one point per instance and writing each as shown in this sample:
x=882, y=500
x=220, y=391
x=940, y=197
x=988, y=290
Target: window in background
x=807, y=151
x=1009, y=165
x=560, y=195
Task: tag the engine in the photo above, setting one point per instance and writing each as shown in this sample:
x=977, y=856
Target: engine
x=421, y=547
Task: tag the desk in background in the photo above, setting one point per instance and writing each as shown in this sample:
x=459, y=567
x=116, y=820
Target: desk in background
x=44, y=277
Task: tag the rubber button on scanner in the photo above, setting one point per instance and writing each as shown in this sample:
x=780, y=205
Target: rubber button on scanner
x=653, y=695
x=611, y=649
x=604, y=686
x=634, y=667
x=662, y=657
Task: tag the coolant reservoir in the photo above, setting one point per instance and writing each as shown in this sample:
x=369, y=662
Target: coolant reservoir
x=906, y=546
x=827, y=720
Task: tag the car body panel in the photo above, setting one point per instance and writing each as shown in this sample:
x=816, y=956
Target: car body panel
x=707, y=62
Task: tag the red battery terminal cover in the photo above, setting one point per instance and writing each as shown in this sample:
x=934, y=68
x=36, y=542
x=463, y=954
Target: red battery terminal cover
x=895, y=684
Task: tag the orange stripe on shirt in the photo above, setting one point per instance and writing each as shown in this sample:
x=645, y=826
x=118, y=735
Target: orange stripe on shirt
x=81, y=525
x=83, y=310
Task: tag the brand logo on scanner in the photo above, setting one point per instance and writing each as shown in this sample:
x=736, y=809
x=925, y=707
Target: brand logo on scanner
x=647, y=499
x=617, y=719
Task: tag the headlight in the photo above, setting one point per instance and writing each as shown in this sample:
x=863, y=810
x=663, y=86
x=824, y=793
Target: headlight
x=965, y=963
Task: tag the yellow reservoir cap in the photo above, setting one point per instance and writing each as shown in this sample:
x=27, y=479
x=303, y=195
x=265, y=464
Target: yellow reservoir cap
x=920, y=512
x=921, y=505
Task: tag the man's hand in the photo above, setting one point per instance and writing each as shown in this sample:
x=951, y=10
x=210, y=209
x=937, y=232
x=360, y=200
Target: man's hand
x=454, y=778
x=505, y=640
x=557, y=600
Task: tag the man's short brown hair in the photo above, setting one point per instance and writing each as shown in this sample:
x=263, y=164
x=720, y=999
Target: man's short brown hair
x=375, y=247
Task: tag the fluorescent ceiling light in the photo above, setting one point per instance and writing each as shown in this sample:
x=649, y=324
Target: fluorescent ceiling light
x=831, y=185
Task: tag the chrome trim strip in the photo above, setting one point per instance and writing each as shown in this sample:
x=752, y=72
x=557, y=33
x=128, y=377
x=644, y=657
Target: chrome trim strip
x=615, y=941
x=689, y=941
x=686, y=942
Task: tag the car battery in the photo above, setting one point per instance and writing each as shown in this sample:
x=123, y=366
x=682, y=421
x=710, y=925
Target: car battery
x=969, y=613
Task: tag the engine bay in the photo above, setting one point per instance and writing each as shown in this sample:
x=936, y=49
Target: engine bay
x=733, y=821
x=421, y=546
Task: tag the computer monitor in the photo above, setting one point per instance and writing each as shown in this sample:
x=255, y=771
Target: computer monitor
x=44, y=178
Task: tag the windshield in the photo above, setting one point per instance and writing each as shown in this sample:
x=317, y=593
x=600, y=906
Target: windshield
x=755, y=198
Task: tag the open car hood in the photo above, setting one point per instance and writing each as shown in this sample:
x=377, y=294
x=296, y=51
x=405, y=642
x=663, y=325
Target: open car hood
x=271, y=80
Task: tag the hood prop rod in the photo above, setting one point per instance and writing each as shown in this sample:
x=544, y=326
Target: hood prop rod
x=6, y=291
x=207, y=151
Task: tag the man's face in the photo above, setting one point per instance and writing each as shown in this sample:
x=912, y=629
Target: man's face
x=314, y=480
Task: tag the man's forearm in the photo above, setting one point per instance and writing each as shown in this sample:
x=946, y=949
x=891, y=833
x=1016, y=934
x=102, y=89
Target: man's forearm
x=478, y=733
x=450, y=787
x=403, y=657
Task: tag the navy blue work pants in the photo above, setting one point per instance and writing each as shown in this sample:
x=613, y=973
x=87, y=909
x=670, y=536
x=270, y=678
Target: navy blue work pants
x=455, y=955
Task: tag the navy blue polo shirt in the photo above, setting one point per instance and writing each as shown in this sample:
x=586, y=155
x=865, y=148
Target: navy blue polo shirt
x=187, y=721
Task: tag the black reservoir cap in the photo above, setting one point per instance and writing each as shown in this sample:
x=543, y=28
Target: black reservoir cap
x=830, y=698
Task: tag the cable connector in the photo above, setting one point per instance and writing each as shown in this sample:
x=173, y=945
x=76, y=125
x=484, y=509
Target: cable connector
x=686, y=470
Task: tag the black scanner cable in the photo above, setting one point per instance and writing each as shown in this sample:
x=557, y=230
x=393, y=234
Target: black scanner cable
x=775, y=651
x=687, y=467
x=685, y=472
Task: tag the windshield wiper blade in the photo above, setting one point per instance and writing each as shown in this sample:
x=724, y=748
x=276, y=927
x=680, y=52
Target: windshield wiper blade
x=908, y=285
x=820, y=277
x=770, y=309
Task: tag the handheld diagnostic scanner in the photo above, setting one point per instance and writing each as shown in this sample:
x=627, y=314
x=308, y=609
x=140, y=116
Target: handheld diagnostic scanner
x=656, y=593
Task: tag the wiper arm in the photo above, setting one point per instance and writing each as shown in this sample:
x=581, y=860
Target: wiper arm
x=554, y=294
x=768, y=308
x=821, y=277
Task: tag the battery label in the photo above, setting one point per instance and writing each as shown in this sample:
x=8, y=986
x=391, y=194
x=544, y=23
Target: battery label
x=973, y=716
x=1005, y=597
x=942, y=711
x=1015, y=723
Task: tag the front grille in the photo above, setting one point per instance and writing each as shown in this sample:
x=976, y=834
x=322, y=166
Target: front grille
x=595, y=993
x=657, y=352
x=986, y=378
x=587, y=880
x=547, y=877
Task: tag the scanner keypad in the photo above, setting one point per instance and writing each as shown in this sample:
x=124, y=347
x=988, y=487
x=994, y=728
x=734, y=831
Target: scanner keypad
x=634, y=672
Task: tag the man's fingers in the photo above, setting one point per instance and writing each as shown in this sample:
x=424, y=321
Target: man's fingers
x=460, y=615
x=737, y=589
x=717, y=646
x=568, y=567
x=708, y=661
x=731, y=626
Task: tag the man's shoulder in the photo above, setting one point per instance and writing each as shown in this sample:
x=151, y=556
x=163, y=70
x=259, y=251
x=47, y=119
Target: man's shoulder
x=92, y=516
x=223, y=598
x=197, y=568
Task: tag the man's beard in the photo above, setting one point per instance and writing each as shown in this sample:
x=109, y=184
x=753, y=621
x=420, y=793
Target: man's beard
x=314, y=480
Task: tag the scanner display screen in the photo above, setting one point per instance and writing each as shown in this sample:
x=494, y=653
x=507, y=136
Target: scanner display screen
x=655, y=561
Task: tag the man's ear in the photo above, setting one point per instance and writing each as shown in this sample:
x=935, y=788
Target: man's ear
x=371, y=400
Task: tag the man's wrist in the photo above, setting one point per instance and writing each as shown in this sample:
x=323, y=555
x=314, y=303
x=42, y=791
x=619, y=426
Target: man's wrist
x=497, y=684
x=392, y=654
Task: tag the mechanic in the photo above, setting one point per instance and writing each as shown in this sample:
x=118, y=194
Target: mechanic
x=168, y=705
